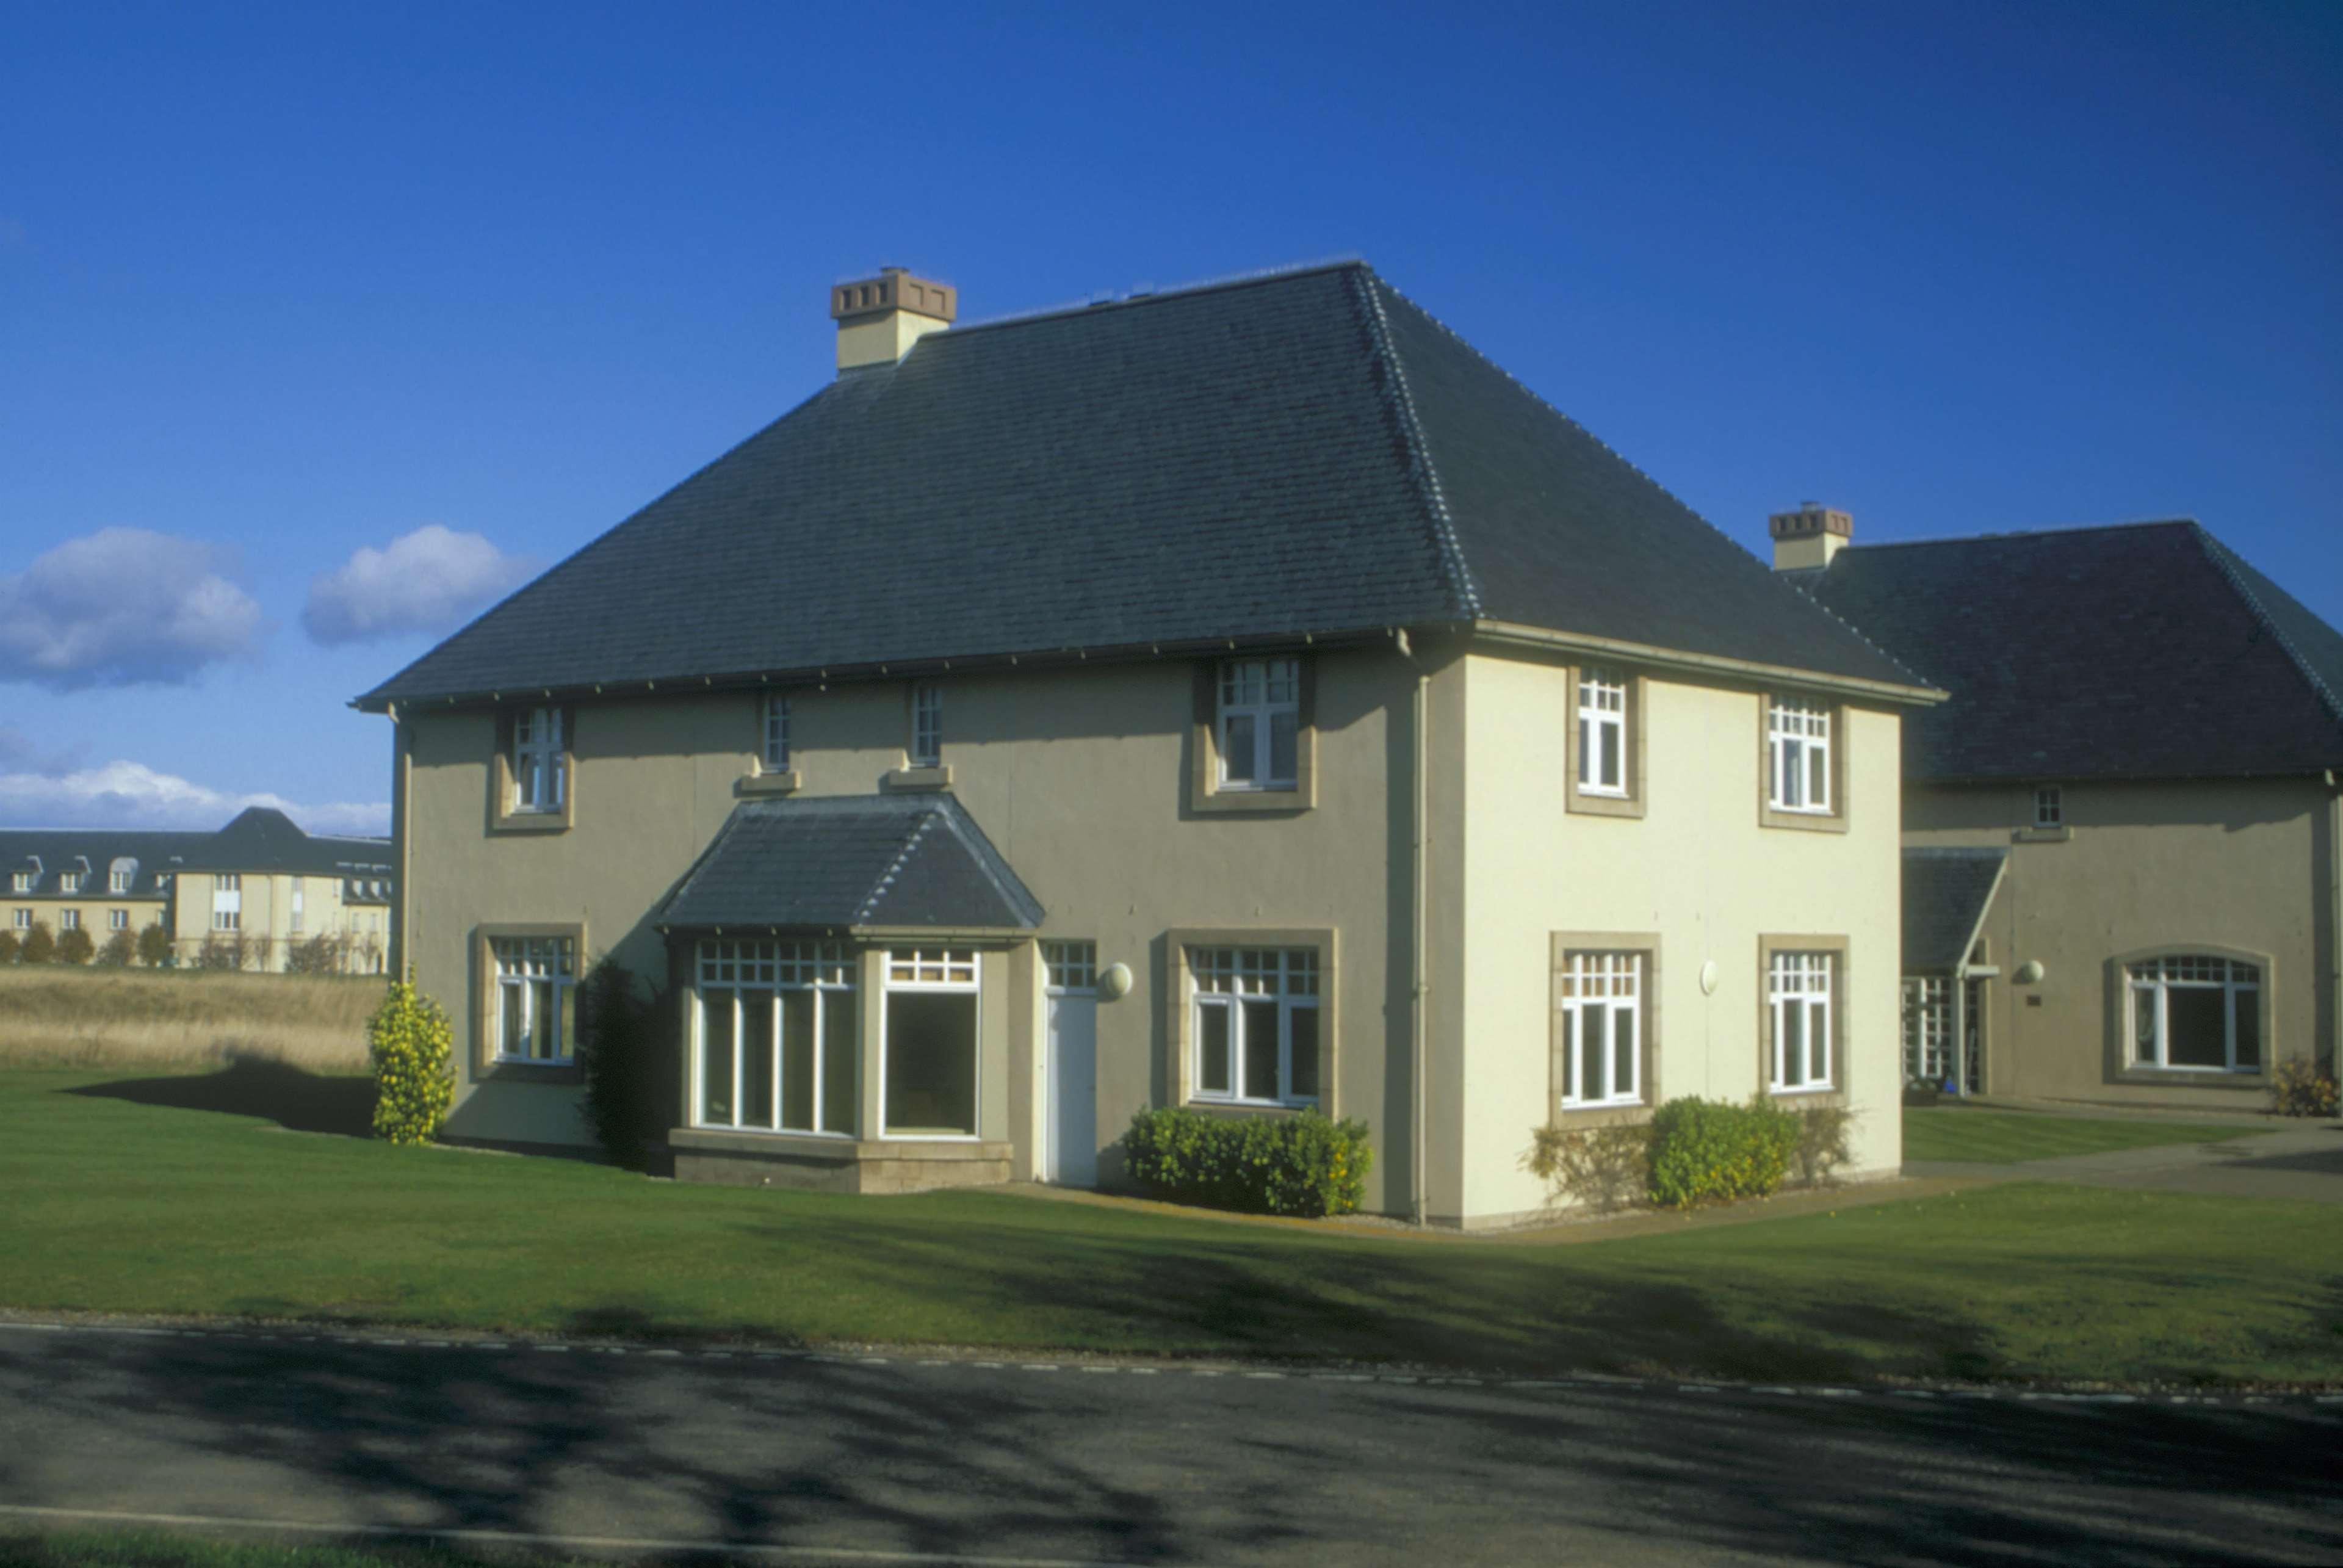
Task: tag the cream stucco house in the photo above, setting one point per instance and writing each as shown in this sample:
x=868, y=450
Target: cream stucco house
x=243, y=897
x=1248, y=697
x=2125, y=882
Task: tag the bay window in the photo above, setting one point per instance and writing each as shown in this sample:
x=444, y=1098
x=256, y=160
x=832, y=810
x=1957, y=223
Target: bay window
x=928, y=1088
x=779, y=1030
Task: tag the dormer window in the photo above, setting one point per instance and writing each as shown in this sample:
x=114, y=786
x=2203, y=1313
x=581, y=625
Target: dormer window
x=777, y=734
x=69, y=881
x=121, y=875
x=927, y=748
x=21, y=882
x=1258, y=722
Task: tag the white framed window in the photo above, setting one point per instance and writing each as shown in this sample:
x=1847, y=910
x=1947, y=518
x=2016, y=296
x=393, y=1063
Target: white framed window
x=69, y=921
x=1600, y=996
x=227, y=902
x=23, y=919
x=779, y=1032
x=1071, y=967
x=1254, y=1024
x=121, y=875
x=538, y=771
x=1258, y=723
x=21, y=881
x=2196, y=1012
x=1927, y=1029
x=926, y=725
x=1798, y=995
x=777, y=733
x=2049, y=808
x=1798, y=740
x=297, y=906
x=535, y=978
x=1602, y=733
x=69, y=881
x=117, y=919
x=928, y=1079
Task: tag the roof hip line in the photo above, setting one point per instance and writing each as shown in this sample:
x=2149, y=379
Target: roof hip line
x=2215, y=551
x=1419, y=452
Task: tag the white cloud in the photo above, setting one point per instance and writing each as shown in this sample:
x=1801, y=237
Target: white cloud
x=123, y=606
x=132, y=795
x=426, y=581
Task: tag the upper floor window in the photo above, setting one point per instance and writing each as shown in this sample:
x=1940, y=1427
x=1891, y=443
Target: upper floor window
x=1600, y=996
x=1602, y=733
x=927, y=749
x=2197, y=1011
x=120, y=875
x=69, y=881
x=1798, y=995
x=1259, y=720
x=535, y=977
x=2049, y=809
x=117, y=919
x=1255, y=1025
x=21, y=882
x=227, y=902
x=539, y=770
x=777, y=734
x=1798, y=741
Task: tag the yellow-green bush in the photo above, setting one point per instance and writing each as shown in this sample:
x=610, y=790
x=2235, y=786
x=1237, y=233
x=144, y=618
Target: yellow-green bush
x=1709, y=1151
x=408, y=1041
x=2300, y=1088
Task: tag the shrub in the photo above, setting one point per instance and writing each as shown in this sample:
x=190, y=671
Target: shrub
x=40, y=945
x=629, y=1072
x=1603, y=1168
x=1709, y=1151
x=9, y=946
x=75, y=946
x=320, y=955
x=116, y=952
x=1303, y=1164
x=2301, y=1087
x=1822, y=1142
x=218, y=954
x=408, y=1041
x=154, y=946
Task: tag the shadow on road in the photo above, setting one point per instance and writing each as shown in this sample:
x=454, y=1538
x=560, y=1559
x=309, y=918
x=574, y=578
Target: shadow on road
x=290, y=1096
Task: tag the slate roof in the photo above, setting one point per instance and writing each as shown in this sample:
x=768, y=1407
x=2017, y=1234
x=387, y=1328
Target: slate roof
x=853, y=860
x=258, y=839
x=2144, y=650
x=1946, y=892
x=1307, y=454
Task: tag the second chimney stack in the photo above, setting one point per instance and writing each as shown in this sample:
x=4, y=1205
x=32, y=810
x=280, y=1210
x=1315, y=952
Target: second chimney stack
x=1806, y=539
x=879, y=318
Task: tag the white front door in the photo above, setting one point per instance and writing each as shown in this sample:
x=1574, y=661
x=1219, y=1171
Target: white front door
x=1073, y=1155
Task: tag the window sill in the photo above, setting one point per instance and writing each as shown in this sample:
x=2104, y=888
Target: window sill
x=2252, y=1077
x=764, y=783
x=915, y=780
x=2041, y=835
x=1772, y=816
x=1285, y=797
x=1600, y=802
x=1805, y=1091
x=1602, y=1113
x=532, y=822
x=1241, y=1109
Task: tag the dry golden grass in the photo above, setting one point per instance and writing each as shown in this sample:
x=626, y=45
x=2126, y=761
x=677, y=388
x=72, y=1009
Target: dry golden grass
x=191, y=1019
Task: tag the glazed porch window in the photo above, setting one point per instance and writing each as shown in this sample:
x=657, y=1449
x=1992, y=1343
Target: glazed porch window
x=1927, y=1029
x=779, y=1032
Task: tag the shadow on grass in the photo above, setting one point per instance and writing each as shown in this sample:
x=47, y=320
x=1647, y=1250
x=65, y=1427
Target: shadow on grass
x=290, y=1096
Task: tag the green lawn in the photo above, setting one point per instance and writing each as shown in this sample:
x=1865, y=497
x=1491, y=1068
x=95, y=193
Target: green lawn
x=159, y=1549
x=122, y=1205
x=2005, y=1138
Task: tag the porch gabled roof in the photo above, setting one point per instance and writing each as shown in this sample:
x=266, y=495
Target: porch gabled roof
x=841, y=862
x=1946, y=895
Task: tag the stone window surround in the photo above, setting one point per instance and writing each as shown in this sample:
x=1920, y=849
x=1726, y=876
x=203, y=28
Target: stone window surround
x=502, y=817
x=1645, y=944
x=1842, y=968
x=1632, y=804
x=2121, y=1069
x=481, y=1062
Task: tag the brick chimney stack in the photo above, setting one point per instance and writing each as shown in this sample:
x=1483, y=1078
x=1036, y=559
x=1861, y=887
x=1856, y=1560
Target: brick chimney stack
x=1806, y=539
x=879, y=318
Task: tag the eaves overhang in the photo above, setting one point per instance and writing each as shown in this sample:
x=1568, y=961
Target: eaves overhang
x=1713, y=666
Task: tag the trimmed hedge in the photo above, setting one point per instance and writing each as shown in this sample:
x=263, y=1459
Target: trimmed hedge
x=1708, y=1152
x=1304, y=1164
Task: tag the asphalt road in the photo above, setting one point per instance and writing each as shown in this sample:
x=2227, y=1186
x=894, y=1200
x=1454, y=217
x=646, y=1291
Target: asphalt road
x=910, y=1460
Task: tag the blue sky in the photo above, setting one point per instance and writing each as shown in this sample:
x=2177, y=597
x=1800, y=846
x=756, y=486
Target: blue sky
x=276, y=288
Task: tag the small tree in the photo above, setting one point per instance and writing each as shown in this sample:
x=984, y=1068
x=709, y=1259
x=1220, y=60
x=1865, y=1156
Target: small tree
x=320, y=955
x=9, y=947
x=409, y=1042
x=217, y=954
x=621, y=1049
x=75, y=946
x=118, y=950
x=40, y=945
x=154, y=946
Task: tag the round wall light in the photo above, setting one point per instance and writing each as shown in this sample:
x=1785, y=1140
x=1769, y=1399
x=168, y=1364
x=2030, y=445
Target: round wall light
x=1114, y=982
x=2030, y=972
x=1708, y=978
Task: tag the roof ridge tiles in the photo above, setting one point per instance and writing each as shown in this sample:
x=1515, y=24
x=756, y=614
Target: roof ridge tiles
x=923, y=821
x=2217, y=553
x=2060, y=531
x=1420, y=465
x=1337, y=263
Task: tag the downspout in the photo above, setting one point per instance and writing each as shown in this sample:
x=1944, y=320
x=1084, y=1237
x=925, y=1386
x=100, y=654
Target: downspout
x=395, y=958
x=1419, y=1068
x=2333, y=924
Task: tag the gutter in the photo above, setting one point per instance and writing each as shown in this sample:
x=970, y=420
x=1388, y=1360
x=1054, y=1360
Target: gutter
x=1708, y=664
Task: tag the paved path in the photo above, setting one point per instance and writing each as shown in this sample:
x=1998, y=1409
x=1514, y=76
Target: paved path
x=2300, y=1162
x=843, y=1458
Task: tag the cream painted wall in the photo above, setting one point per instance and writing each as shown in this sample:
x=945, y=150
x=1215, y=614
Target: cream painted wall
x=1698, y=870
x=2235, y=865
x=1078, y=775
